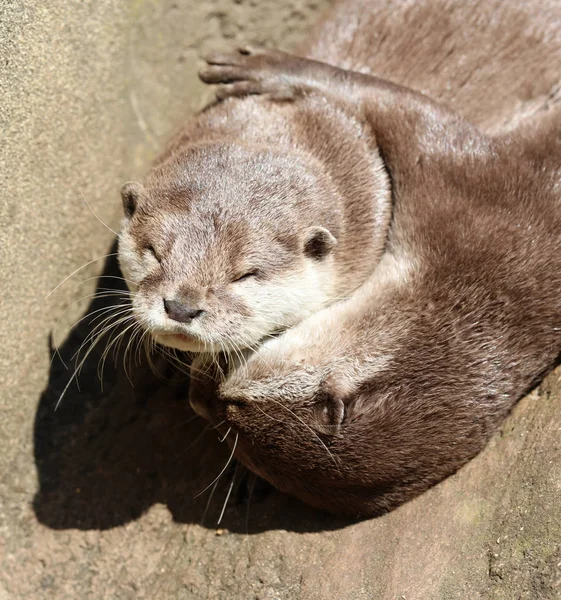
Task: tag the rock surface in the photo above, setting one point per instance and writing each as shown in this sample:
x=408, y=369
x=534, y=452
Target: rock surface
x=97, y=499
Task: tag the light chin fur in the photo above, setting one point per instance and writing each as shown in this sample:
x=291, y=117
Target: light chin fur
x=194, y=346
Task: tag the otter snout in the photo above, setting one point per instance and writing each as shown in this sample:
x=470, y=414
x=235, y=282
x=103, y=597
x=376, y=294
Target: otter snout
x=181, y=311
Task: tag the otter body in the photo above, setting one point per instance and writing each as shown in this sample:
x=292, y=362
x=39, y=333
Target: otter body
x=413, y=258
x=367, y=403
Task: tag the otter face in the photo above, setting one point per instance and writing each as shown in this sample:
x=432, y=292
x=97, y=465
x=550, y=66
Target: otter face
x=223, y=248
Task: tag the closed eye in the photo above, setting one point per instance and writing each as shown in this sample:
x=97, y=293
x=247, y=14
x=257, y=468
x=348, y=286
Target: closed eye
x=153, y=252
x=246, y=276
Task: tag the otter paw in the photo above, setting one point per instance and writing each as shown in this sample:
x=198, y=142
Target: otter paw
x=251, y=70
x=305, y=392
x=257, y=382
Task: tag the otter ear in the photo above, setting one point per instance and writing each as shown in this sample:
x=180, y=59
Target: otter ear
x=329, y=415
x=318, y=242
x=130, y=193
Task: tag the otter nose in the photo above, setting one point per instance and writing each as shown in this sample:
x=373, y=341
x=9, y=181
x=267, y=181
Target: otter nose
x=178, y=311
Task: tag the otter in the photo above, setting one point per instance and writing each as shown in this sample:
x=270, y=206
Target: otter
x=284, y=210
x=368, y=402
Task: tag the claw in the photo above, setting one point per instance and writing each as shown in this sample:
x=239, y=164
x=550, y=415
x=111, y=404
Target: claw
x=245, y=50
x=221, y=74
x=240, y=88
x=220, y=58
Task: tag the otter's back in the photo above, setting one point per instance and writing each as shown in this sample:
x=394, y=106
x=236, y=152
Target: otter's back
x=495, y=62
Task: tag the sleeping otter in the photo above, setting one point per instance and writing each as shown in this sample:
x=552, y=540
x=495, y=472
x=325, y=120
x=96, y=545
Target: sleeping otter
x=273, y=211
x=369, y=402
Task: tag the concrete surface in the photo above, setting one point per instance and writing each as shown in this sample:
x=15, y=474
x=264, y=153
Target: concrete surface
x=97, y=498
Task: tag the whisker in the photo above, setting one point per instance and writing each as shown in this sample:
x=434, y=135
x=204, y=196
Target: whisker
x=100, y=334
x=225, y=436
x=224, y=469
x=141, y=344
x=139, y=332
x=228, y=495
x=77, y=370
x=108, y=329
x=109, y=277
x=204, y=369
x=119, y=311
x=108, y=348
x=182, y=366
x=209, y=501
x=95, y=215
x=101, y=310
x=79, y=269
x=89, y=314
x=305, y=425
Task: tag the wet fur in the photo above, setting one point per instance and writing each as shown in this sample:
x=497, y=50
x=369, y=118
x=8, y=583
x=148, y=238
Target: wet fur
x=369, y=402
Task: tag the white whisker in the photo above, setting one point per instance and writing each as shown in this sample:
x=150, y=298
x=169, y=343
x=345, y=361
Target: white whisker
x=228, y=494
x=95, y=215
x=79, y=269
x=224, y=469
x=225, y=435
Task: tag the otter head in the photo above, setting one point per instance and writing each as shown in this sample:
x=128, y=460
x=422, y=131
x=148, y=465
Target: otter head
x=223, y=246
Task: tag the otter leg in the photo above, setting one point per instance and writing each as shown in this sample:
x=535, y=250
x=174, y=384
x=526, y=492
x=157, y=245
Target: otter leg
x=407, y=125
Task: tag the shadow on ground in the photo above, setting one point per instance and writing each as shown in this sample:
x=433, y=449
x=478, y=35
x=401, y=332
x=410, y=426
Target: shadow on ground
x=106, y=455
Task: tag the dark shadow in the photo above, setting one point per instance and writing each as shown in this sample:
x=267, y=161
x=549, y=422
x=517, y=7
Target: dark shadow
x=106, y=455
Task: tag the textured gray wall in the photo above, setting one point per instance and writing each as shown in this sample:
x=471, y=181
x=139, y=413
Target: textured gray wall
x=96, y=500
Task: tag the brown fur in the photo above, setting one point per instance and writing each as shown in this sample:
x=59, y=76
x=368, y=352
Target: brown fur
x=367, y=403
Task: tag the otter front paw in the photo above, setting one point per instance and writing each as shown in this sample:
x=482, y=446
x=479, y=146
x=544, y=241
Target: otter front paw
x=305, y=392
x=251, y=70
